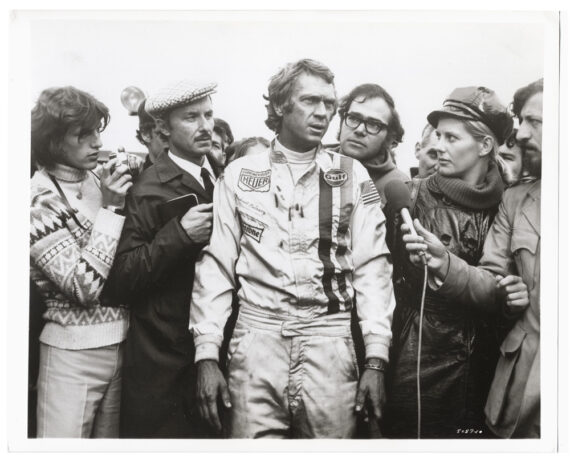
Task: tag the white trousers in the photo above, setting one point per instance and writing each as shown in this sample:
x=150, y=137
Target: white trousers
x=79, y=392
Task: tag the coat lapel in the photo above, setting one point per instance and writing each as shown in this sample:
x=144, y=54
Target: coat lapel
x=531, y=209
x=183, y=182
x=188, y=181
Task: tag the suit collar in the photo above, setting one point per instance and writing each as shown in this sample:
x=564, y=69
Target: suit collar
x=167, y=171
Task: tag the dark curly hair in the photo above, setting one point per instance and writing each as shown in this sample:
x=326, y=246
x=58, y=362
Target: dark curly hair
x=57, y=110
x=522, y=95
x=281, y=88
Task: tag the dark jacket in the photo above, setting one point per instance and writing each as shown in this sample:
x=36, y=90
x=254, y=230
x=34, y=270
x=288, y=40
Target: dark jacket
x=153, y=273
x=459, y=344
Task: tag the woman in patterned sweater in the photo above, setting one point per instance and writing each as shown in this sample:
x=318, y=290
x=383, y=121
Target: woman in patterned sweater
x=75, y=227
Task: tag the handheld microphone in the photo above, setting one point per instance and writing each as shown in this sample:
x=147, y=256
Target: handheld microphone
x=399, y=200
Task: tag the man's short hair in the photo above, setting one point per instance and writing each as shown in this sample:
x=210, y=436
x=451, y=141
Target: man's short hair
x=146, y=124
x=426, y=133
x=56, y=111
x=281, y=88
x=522, y=95
x=371, y=90
x=238, y=148
x=222, y=128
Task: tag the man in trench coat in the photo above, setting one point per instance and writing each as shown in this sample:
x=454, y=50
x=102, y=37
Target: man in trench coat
x=154, y=269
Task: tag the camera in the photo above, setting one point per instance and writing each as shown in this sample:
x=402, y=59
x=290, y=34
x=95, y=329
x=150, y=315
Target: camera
x=133, y=163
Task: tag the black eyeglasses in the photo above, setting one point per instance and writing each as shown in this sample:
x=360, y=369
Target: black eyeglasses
x=372, y=126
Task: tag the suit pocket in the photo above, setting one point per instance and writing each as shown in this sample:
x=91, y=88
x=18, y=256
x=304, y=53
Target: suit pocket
x=510, y=353
x=239, y=345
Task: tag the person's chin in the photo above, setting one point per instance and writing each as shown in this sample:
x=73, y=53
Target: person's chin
x=90, y=164
x=352, y=150
x=446, y=170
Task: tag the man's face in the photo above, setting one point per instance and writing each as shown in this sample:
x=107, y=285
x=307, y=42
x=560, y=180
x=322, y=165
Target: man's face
x=190, y=129
x=427, y=156
x=358, y=142
x=529, y=135
x=512, y=159
x=217, y=152
x=312, y=106
x=80, y=150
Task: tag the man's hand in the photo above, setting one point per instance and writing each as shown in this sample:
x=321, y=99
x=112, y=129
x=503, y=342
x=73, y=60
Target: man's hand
x=210, y=386
x=427, y=243
x=515, y=293
x=197, y=222
x=371, y=387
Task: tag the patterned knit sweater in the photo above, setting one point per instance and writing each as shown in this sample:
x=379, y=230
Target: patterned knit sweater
x=69, y=264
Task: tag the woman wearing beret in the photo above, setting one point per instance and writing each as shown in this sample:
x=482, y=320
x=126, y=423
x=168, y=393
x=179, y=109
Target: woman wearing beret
x=459, y=345
x=75, y=229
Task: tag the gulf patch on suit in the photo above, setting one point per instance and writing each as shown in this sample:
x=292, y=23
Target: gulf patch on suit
x=335, y=177
x=254, y=181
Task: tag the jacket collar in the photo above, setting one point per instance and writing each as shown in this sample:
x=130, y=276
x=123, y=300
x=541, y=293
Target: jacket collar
x=167, y=170
x=322, y=158
x=531, y=207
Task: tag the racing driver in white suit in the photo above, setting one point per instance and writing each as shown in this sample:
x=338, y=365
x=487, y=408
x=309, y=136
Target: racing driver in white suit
x=302, y=230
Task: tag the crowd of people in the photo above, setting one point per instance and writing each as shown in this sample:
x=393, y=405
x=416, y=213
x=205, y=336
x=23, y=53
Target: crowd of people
x=257, y=288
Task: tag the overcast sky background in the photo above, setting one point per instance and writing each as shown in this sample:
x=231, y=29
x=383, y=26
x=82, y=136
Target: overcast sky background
x=417, y=57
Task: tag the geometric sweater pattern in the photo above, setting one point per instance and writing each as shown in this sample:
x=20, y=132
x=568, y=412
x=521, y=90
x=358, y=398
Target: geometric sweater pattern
x=69, y=265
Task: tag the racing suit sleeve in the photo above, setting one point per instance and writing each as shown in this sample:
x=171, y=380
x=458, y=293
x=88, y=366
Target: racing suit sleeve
x=215, y=274
x=372, y=278
x=476, y=285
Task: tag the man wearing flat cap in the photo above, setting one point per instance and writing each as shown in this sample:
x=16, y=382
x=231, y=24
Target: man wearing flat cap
x=301, y=229
x=508, y=274
x=154, y=267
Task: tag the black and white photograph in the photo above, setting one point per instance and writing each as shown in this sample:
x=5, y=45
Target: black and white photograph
x=286, y=224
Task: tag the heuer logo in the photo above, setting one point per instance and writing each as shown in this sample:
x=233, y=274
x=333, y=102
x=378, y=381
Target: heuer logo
x=335, y=177
x=254, y=181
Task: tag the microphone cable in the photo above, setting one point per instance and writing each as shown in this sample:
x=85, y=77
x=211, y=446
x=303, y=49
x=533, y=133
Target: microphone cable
x=419, y=397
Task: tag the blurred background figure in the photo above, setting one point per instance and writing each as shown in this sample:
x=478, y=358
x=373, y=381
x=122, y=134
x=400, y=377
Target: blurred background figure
x=511, y=160
x=150, y=136
x=246, y=146
x=222, y=137
x=426, y=153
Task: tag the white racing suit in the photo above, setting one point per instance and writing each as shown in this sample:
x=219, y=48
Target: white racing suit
x=305, y=254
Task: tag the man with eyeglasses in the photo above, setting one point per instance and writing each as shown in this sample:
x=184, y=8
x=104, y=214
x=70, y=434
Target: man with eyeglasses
x=369, y=127
x=300, y=228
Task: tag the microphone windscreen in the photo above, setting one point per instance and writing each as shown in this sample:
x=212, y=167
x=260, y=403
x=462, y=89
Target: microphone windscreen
x=397, y=195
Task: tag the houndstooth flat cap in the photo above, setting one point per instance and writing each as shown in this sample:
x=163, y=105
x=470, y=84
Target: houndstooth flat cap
x=177, y=94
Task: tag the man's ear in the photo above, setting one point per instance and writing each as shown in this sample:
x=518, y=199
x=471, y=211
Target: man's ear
x=278, y=109
x=417, y=149
x=162, y=126
x=145, y=135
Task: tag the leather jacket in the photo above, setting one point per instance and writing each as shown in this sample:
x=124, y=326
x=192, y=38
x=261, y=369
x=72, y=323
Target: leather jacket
x=459, y=344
